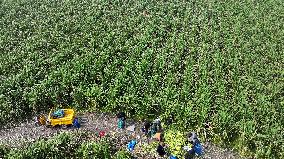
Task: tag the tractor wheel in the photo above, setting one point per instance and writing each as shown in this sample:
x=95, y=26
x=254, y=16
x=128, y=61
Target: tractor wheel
x=83, y=120
x=37, y=124
x=64, y=126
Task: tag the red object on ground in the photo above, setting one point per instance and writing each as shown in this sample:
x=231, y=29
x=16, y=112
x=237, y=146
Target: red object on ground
x=102, y=133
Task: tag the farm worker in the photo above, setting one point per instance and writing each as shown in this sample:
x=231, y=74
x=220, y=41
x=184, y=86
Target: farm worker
x=170, y=120
x=76, y=123
x=158, y=123
x=121, y=123
x=196, y=147
x=192, y=138
x=121, y=120
x=146, y=127
x=131, y=145
x=156, y=126
x=161, y=149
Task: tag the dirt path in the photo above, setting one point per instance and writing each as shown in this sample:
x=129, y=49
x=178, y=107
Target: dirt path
x=27, y=132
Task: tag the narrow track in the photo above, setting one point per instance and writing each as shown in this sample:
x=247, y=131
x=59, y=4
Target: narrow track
x=27, y=132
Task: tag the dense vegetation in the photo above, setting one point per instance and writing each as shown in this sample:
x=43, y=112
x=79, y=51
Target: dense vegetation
x=66, y=145
x=219, y=63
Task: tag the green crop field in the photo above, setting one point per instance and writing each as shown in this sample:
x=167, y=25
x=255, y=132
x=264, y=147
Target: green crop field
x=213, y=62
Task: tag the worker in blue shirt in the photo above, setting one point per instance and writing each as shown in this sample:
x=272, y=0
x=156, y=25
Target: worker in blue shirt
x=195, y=148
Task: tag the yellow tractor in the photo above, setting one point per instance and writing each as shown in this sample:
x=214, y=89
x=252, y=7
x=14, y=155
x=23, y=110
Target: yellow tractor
x=59, y=117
